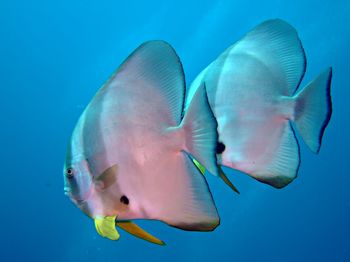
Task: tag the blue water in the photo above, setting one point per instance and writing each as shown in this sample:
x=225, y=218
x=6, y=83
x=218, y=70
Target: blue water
x=54, y=56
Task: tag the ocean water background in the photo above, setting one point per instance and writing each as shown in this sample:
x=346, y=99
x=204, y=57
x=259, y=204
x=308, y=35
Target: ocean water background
x=53, y=58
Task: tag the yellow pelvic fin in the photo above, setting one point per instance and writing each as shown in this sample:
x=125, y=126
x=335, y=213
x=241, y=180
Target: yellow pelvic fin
x=135, y=230
x=227, y=181
x=105, y=226
x=199, y=166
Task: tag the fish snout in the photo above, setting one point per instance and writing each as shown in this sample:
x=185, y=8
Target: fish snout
x=67, y=191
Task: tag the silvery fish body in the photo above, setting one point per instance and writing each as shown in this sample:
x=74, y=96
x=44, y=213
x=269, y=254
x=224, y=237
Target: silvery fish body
x=130, y=152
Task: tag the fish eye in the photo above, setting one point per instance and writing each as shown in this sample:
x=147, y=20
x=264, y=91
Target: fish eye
x=69, y=173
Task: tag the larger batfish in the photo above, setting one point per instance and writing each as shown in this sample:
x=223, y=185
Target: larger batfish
x=253, y=90
x=130, y=153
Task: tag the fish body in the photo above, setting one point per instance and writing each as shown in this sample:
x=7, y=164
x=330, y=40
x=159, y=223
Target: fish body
x=130, y=153
x=253, y=90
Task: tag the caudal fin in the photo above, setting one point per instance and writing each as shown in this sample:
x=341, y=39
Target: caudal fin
x=313, y=110
x=201, y=131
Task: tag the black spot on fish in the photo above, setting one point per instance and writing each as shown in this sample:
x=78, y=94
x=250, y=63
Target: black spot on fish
x=220, y=147
x=124, y=200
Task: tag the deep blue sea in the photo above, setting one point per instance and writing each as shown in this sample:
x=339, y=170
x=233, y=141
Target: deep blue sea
x=54, y=55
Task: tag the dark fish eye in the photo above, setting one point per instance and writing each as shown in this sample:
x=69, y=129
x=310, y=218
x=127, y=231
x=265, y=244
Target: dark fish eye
x=69, y=173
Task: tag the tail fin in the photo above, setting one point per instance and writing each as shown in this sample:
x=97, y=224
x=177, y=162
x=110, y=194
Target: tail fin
x=201, y=131
x=313, y=110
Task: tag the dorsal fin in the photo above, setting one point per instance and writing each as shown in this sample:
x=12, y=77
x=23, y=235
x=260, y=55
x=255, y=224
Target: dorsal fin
x=276, y=44
x=148, y=87
x=155, y=68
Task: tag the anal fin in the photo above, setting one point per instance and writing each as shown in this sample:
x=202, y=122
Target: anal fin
x=135, y=230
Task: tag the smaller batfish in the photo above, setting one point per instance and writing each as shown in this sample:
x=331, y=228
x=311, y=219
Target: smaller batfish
x=253, y=90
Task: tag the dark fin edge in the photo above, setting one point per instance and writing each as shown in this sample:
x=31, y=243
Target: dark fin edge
x=329, y=112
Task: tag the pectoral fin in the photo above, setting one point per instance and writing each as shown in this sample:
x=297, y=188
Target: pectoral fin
x=107, y=178
x=135, y=230
x=105, y=227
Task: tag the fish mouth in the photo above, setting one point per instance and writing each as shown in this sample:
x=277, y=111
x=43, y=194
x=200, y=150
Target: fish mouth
x=78, y=201
x=81, y=203
x=76, y=197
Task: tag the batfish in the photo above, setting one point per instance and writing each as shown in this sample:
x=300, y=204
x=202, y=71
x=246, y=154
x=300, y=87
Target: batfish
x=254, y=91
x=130, y=153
